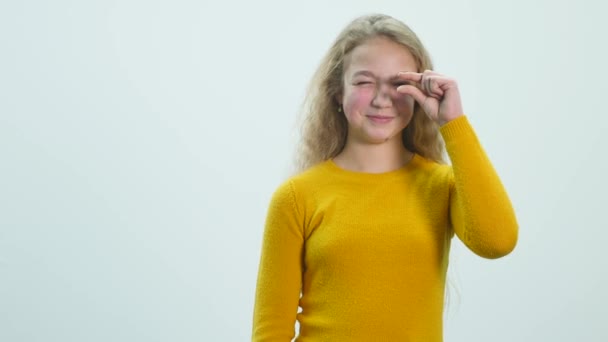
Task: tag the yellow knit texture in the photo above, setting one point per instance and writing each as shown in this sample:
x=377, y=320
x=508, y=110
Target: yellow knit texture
x=364, y=256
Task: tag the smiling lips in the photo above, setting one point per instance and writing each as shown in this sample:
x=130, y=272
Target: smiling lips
x=380, y=118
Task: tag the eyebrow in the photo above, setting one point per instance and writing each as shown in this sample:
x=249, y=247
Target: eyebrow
x=364, y=73
x=371, y=74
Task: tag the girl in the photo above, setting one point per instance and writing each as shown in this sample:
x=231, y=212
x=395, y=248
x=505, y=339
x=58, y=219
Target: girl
x=359, y=239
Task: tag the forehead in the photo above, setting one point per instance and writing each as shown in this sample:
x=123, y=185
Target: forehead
x=380, y=56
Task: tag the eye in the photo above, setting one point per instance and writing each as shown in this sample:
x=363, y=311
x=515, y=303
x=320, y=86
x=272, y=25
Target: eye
x=362, y=82
x=399, y=84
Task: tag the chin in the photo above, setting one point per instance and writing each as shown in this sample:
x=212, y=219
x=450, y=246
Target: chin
x=379, y=138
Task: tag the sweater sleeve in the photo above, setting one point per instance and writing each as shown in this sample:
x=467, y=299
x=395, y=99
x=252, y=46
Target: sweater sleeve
x=481, y=213
x=280, y=269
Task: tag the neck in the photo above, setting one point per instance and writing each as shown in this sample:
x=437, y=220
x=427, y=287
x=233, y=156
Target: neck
x=373, y=158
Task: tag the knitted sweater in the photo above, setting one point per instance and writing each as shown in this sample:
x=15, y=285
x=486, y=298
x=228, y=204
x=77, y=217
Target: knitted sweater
x=365, y=255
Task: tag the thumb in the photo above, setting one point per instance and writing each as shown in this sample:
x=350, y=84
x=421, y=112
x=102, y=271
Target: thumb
x=414, y=92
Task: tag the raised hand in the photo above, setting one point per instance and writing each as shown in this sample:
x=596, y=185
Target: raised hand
x=437, y=94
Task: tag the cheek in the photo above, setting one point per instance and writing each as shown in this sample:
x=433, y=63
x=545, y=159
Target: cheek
x=405, y=103
x=357, y=99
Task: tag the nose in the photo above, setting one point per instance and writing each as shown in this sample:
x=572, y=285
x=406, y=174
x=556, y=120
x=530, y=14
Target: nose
x=383, y=97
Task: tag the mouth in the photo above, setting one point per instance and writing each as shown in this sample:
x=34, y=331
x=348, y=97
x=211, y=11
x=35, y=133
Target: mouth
x=380, y=118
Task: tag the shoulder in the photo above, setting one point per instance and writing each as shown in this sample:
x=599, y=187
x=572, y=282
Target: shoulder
x=294, y=186
x=429, y=173
x=315, y=176
x=431, y=168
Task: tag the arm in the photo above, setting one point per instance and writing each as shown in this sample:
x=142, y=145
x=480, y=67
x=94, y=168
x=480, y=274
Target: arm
x=481, y=213
x=480, y=210
x=280, y=272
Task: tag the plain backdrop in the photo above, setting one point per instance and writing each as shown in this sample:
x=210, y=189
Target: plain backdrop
x=140, y=142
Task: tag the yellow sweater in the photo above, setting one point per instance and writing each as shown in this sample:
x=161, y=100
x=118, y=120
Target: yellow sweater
x=365, y=255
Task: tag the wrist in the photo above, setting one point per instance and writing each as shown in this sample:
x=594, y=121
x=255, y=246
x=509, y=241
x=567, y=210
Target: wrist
x=444, y=121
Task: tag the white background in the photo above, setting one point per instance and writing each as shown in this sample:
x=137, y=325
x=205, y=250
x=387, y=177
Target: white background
x=140, y=142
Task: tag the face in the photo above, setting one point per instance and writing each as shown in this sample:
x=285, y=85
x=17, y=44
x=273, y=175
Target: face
x=375, y=111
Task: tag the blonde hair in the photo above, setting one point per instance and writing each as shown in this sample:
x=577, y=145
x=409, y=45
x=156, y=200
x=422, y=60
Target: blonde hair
x=324, y=129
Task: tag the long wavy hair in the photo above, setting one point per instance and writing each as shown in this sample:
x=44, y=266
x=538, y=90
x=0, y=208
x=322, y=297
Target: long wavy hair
x=324, y=129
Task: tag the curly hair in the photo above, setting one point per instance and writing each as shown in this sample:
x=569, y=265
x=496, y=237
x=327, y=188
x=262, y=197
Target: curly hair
x=324, y=129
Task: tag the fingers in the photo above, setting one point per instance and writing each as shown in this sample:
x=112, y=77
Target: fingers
x=414, y=92
x=429, y=81
x=431, y=87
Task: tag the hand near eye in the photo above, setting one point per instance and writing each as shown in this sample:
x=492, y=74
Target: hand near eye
x=437, y=94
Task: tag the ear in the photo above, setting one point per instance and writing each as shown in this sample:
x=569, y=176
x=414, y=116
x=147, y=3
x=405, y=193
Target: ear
x=339, y=98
